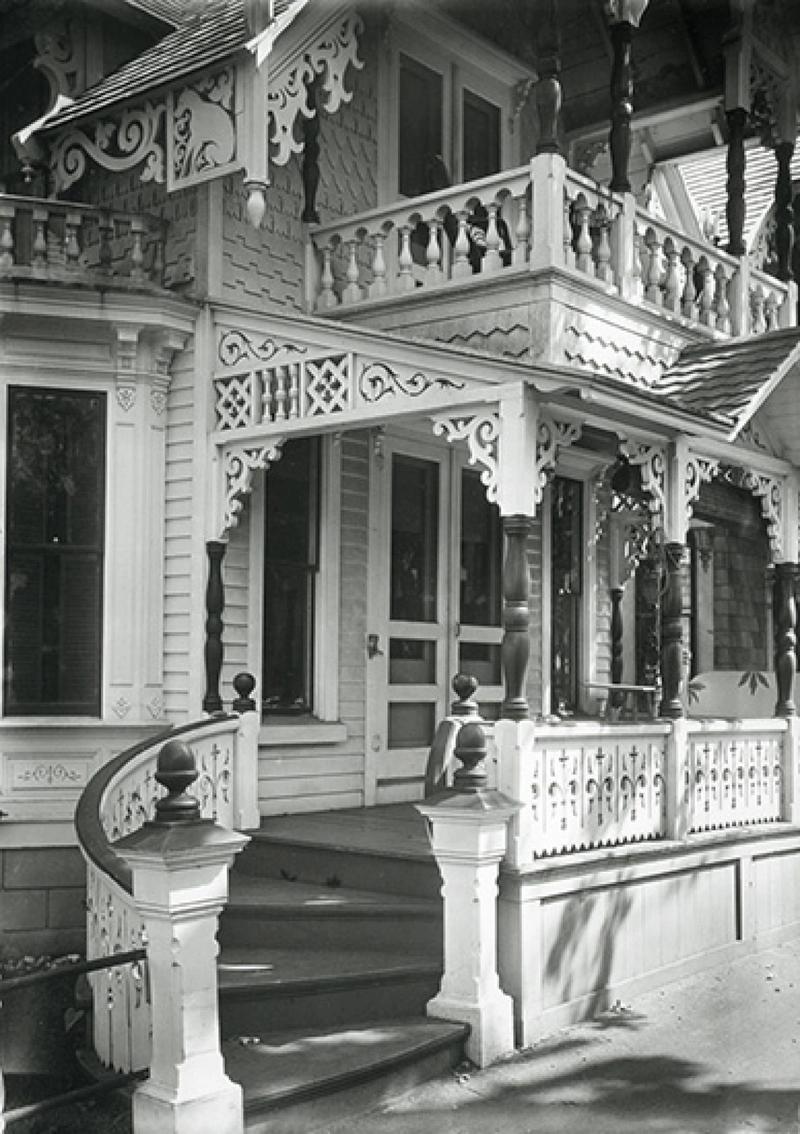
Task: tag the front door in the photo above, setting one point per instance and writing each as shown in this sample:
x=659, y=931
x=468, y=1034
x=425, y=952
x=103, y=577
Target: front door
x=434, y=606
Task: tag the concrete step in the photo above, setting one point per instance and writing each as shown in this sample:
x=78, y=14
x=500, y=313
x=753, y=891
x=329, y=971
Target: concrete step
x=263, y=990
x=300, y=1081
x=271, y=912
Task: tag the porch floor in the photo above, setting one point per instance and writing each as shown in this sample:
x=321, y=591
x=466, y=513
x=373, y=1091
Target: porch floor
x=391, y=830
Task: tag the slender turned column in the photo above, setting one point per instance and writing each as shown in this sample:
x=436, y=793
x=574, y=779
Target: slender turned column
x=616, y=643
x=215, y=604
x=672, y=632
x=311, y=150
x=548, y=89
x=785, y=613
x=736, y=208
x=619, y=138
x=515, y=649
x=784, y=213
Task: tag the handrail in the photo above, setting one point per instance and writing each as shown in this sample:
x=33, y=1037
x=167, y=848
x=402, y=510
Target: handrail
x=74, y=968
x=91, y=836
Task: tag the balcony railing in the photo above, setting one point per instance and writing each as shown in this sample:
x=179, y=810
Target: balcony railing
x=73, y=243
x=536, y=219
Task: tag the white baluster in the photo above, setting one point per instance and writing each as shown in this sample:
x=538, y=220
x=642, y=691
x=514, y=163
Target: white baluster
x=522, y=232
x=72, y=248
x=688, y=297
x=492, y=261
x=6, y=236
x=569, y=235
x=352, y=292
x=379, y=286
x=105, y=229
x=294, y=389
x=672, y=280
x=138, y=229
x=433, y=254
x=652, y=279
x=583, y=246
x=327, y=296
x=602, y=268
x=281, y=373
x=405, y=279
x=771, y=311
x=721, y=305
x=461, y=264
x=267, y=399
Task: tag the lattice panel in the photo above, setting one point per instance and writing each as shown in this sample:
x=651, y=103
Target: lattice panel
x=235, y=401
x=328, y=385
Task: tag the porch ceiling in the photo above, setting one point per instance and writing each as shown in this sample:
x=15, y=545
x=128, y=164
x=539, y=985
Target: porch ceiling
x=730, y=381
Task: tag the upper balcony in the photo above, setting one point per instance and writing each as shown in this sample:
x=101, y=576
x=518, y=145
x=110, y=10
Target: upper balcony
x=79, y=245
x=542, y=263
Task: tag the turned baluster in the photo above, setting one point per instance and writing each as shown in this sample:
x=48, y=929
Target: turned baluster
x=267, y=398
x=405, y=261
x=105, y=230
x=492, y=261
x=689, y=295
x=6, y=236
x=352, y=291
x=294, y=389
x=72, y=248
x=785, y=618
x=39, y=246
x=758, y=323
x=771, y=311
x=379, y=286
x=569, y=234
x=672, y=279
x=433, y=253
x=637, y=284
x=327, y=296
x=280, y=393
x=652, y=278
x=721, y=305
x=138, y=230
x=602, y=267
x=706, y=293
x=461, y=264
x=522, y=232
x=583, y=245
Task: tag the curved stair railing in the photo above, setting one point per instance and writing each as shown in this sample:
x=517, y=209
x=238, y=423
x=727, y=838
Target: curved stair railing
x=119, y=799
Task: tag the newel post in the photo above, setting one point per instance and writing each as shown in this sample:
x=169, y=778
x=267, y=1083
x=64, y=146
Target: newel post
x=245, y=768
x=516, y=646
x=468, y=830
x=180, y=866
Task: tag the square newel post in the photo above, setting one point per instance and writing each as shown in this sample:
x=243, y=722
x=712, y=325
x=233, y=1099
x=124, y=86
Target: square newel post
x=548, y=177
x=468, y=828
x=180, y=866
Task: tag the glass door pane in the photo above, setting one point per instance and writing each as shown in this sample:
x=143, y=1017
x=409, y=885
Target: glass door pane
x=567, y=557
x=478, y=630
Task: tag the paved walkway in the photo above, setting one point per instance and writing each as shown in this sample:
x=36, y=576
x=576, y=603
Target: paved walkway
x=717, y=1053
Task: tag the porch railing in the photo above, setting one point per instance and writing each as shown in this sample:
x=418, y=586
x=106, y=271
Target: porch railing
x=540, y=217
x=68, y=242
x=119, y=799
x=587, y=785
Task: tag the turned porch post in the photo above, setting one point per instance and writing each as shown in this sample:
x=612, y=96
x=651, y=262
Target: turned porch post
x=672, y=631
x=547, y=91
x=617, y=647
x=736, y=209
x=516, y=646
x=785, y=616
x=215, y=604
x=624, y=16
x=784, y=210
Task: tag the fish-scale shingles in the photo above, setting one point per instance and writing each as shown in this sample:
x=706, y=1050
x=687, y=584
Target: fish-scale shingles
x=723, y=379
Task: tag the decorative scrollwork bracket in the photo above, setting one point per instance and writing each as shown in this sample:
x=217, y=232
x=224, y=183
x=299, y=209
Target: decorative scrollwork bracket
x=481, y=431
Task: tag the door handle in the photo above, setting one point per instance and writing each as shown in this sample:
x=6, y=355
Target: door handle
x=373, y=646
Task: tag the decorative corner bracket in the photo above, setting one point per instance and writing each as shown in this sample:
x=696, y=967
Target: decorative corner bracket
x=551, y=436
x=652, y=462
x=481, y=431
x=117, y=146
x=239, y=464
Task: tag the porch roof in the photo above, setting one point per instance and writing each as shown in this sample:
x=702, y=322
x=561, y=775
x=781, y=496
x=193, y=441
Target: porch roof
x=213, y=33
x=730, y=380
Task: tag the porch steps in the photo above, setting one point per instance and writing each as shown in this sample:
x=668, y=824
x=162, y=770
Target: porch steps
x=331, y=946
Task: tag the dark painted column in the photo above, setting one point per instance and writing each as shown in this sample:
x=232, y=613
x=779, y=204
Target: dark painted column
x=672, y=631
x=516, y=646
x=736, y=208
x=311, y=148
x=619, y=138
x=215, y=604
x=784, y=212
x=785, y=619
x=616, y=644
x=548, y=89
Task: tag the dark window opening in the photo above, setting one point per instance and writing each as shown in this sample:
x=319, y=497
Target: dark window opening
x=55, y=480
x=419, y=126
x=567, y=560
x=290, y=570
x=481, y=142
x=481, y=555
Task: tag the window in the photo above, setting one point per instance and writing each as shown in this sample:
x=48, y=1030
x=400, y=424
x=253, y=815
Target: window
x=567, y=558
x=55, y=481
x=481, y=141
x=291, y=537
x=420, y=126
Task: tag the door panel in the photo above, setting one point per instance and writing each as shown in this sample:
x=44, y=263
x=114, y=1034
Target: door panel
x=434, y=555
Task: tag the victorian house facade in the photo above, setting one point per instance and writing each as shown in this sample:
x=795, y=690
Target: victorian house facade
x=354, y=346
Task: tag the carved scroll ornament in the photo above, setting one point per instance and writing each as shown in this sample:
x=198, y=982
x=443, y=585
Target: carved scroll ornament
x=116, y=146
x=239, y=465
x=481, y=432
